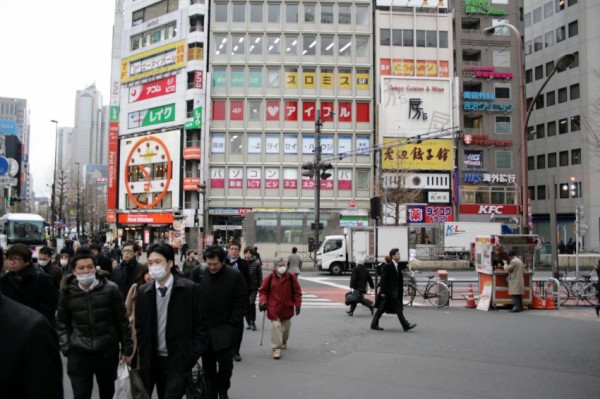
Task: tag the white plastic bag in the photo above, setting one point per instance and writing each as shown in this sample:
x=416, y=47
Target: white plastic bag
x=122, y=384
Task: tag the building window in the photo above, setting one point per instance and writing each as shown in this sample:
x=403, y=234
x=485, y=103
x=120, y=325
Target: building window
x=384, y=37
x=539, y=72
x=291, y=13
x=273, y=77
x=407, y=38
x=574, y=91
x=396, y=37
x=443, y=39
x=530, y=133
x=527, y=20
x=362, y=46
x=291, y=45
x=539, y=103
x=310, y=12
x=551, y=129
x=363, y=177
x=503, y=160
x=549, y=39
x=572, y=2
x=345, y=46
x=562, y=95
x=431, y=37
x=541, y=161
x=221, y=12
x=560, y=5
x=501, y=59
x=503, y=125
x=235, y=143
x=309, y=45
x=548, y=9
x=500, y=30
x=362, y=15
x=550, y=98
x=254, y=110
x=563, y=126
x=531, y=163
x=256, y=12
x=531, y=190
x=327, y=45
x=274, y=12
x=563, y=158
x=420, y=38
x=540, y=131
x=255, y=44
x=538, y=43
x=560, y=34
x=274, y=45
x=344, y=14
x=576, y=157
x=528, y=76
x=549, y=67
x=564, y=190
x=239, y=12
x=552, y=160
x=528, y=47
x=220, y=44
x=537, y=15
x=541, y=192
x=326, y=14
x=573, y=29
x=502, y=91
x=237, y=43
x=575, y=123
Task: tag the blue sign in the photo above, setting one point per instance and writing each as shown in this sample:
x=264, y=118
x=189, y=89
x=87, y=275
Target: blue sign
x=9, y=127
x=3, y=166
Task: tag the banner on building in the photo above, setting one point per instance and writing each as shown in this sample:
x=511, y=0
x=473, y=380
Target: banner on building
x=427, y=155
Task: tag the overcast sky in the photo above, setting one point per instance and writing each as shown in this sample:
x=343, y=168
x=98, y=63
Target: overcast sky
x=48, y=51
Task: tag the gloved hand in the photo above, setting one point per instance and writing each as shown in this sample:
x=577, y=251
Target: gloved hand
x=297, y=311
x=262, y=307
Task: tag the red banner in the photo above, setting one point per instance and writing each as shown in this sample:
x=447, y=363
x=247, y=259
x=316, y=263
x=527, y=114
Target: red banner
x=113, y=150
x=198, y=79
x=273, y=108
x=111, y=216
x=153, y=89
x=191, y=183
x=488, y=209
x=146, y=218
x=192, y=153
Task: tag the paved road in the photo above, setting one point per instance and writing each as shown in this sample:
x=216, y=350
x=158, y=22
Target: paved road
x=453, y=353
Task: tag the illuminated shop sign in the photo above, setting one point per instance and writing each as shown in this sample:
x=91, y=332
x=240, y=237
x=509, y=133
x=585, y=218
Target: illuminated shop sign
x=485, y=72
x=473, y=158
x=475, y=176
x=482, y=7
x=485, y=141
x=429, y=214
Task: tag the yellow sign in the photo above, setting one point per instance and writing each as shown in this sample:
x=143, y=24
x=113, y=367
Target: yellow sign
x=291, y=80
x=309, y=80
x=152, y=62
x=327, y=80
x=345, y=81
x=362, y=81
x=428, y=155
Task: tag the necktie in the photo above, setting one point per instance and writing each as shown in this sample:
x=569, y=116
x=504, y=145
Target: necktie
x=163, y=291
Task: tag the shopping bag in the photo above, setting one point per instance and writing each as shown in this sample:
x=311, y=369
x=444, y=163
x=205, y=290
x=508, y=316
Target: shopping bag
x=138, y=390
x=122, y=385
x=197, y=387
x=352, y=297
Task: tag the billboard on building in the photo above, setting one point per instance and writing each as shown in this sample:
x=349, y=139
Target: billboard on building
x=427, y=155
x=414, y=106
x=152, y=62
x=150, y=171
x=8, y=127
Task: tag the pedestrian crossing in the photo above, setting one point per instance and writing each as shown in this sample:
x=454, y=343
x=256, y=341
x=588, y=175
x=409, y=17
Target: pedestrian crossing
x=310, y=301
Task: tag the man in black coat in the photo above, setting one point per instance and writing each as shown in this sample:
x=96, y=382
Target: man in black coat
x=27, y=284
x=125, y=274
x=391, y=289
x=358, y=282
x=30, y=365
x=223, y=302
x=237, y=262
x=170, y=334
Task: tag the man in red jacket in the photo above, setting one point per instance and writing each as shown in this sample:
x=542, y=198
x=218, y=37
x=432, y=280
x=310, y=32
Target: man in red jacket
x=280, y=293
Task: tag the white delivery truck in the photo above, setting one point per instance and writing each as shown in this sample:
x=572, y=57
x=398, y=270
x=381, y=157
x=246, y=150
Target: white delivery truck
x=338, y=253
x=458, y=236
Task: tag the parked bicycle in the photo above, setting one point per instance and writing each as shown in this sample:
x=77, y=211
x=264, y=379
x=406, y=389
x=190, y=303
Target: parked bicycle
x=582, y=289
x=436, y=292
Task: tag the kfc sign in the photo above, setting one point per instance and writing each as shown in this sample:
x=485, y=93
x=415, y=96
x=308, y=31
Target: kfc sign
x=488, y=209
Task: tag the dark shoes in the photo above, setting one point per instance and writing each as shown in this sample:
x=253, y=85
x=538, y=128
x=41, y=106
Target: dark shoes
x=253, y=326
x=237, y=357
x=515, y=310
x=223, y=395
x=377, y=328
x=372, y=308
x=249, y=327
x=349, y=313
x=410, y=326
x=598, y=311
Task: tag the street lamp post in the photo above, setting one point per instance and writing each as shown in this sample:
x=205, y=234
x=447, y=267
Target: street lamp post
x=77, y=206
x=53, y=234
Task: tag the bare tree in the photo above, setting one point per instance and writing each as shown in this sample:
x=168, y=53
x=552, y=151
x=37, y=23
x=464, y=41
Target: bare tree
x=397, y=193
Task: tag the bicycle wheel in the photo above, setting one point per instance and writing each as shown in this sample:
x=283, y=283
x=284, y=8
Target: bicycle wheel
x=590, y=294
x=563, y=293
x=438, y=294
x=408, y=294
x=577, y=286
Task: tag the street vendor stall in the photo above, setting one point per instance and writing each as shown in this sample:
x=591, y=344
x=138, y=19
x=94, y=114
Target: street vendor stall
x=489, y=251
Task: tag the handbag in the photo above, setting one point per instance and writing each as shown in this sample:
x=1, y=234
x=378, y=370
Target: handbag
x=197, y=386
x=138, y=390
x=352, y=297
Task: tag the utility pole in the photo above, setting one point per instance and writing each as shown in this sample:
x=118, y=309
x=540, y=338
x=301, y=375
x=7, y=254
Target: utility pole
x=53, y=233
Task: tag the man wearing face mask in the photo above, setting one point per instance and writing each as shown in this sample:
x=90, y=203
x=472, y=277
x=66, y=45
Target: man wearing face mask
x=280, y=293
x=45, y=262
x=170, y=333
x=93, y=328
x=124, y=274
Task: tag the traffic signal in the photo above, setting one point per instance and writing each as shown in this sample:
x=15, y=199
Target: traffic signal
x=202, y=188
x=308, y=169
x=311, y=244
x=325, y=166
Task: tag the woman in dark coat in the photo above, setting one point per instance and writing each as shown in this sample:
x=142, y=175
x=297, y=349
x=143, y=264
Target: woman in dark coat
x=358, y=281
x=255, y=277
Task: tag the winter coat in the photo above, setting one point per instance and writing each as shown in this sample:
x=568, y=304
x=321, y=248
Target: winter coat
x=30, y=365
x=130, y=302
x=294, y=263
x=392, y=281
x=281, y=294
x=242, y=266
x=32, y=287
x=124, y=275
x=255, y=275
x=104, y=263
x=516, y=283
x=184, y=333
x=93, y=321
x=360, y=278
x=188, y=266
x=55, y=273
x=223, y=300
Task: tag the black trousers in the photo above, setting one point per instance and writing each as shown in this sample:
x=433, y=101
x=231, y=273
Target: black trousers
x=517, y=301
x=251, y=311
x=169, y=383
x=218, y=366
x=396, y=304
x=363, y=301
x=81, y=369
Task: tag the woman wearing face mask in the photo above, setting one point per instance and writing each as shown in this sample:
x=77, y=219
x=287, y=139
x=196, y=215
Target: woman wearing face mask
x=280, y=293
x=92, y=327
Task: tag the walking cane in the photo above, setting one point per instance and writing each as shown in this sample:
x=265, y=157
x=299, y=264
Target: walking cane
x=262, y=330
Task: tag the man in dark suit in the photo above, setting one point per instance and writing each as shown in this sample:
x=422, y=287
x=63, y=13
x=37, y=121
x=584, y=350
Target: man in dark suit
x=170, y=332
x=390, y=291
x=239, y=263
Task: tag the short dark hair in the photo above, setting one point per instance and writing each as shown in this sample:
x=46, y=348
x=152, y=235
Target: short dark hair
x=46, y=251
x=81, y=255
x=20, y=250
x=294, y=250
x=394, y=251
x=215, y=251
x=249, y=249
x=96, y=247
x=511, y=253
x=139, y=278
x=136, y=247
x=232, y=243
x=163, y=249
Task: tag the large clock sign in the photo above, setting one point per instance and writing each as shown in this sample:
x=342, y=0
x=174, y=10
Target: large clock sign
x=148, y=172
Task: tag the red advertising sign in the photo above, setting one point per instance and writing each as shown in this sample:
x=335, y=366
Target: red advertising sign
x=192, y=153
x=345, y=112
x=146, y=218
x=111, y=216
x=236, y=111
x=290, y=184
x=191, y=183
x=308, y=111
x=327, y=184
x=218, y=110
x=385, y=67
x=291, y=111
x=327, y=111
x=308, y=183
x=362, y=112
x=153, y=89
x=488, y=209
x=113, y=149
x=273, y=108
x=198, y=79
x=217, y=178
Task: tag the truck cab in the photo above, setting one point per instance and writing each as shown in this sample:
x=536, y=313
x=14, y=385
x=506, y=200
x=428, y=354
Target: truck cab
x=331, y=255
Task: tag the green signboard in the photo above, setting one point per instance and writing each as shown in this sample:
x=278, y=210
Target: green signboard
x=219, y=79
x=157, y=115
x=482, y=7
x=196, y=122
x=114, y=113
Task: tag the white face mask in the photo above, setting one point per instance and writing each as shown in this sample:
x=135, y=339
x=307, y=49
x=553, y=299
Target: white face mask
x=86, y=279
x=281, y=269
x=43, y=262
x=64, y=262
x=158, y=272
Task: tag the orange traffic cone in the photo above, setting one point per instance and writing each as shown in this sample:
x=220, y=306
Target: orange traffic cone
x=470, y=298
x=537, y=300
x=550, y=304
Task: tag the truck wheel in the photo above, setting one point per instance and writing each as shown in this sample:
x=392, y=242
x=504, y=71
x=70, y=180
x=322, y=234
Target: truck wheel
x=336, y=269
